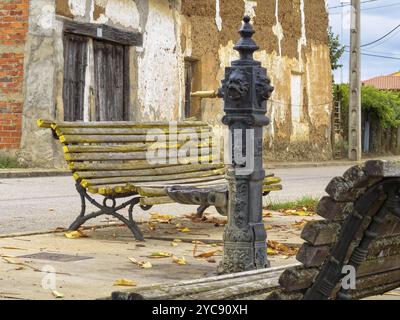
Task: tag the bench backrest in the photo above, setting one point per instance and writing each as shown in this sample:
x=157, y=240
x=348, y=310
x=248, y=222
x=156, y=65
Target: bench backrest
x=109, y=153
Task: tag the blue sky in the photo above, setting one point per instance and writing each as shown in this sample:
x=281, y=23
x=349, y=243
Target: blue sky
x=377, y=18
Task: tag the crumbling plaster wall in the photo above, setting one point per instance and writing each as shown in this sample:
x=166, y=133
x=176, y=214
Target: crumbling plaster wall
x=156, y=71
x=293, y=42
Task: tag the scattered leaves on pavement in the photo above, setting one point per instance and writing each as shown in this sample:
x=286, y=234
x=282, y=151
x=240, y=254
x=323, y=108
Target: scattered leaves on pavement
x=300, y=224
x=161, y=218
x=160, y=254
x=125, y=283
x=277, y=248
x=300, y=213
x=175, y=242
x=181, y=261
x=208, y=254
x=204, y=219
x=57, y=295
x=11, y=260
x=152, y=226
x=141, y=264
x=267, y=214
x=75, y=234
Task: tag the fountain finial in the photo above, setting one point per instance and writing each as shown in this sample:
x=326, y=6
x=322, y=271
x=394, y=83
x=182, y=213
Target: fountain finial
x=246, y=45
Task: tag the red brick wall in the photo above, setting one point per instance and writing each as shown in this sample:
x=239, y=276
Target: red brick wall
x=13, y=29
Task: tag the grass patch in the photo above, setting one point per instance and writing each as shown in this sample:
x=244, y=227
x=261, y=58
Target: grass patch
x=309, y=203
x=8, y=162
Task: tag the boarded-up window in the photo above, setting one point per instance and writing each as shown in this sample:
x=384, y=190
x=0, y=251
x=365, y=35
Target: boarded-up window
x=111, y=68
x=192, y=84
x=75, y=62
x=296, y=97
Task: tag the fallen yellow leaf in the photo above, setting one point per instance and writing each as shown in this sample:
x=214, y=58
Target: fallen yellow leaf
x=267, y=214
x=268, y=227
x=274, y=247
x=11, y=248
x=175, y=242
x=300, y=224
x=124, y=283
x=146, y=265
x=75, y=234
x=161, y=254
x=184, y=230
x=208, y=254
x=161, y=218
x=57, y=295
x=141, y=264
x=298, y=213
x=180, y=261
x=271, y=252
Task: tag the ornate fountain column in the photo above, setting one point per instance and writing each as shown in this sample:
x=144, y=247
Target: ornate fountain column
x=245, y=90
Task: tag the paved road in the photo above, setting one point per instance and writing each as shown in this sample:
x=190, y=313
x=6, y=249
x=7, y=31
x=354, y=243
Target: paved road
x=38, y=204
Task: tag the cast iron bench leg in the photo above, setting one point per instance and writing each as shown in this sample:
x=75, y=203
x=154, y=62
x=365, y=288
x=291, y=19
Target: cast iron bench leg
x=106, y=210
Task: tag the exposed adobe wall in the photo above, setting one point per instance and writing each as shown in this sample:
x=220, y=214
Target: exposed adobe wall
x=293, y=41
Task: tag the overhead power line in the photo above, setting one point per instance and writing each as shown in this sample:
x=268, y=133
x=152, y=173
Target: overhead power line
x=377, y=55
x=379, y=7
x=348, y=4
x=381, y=38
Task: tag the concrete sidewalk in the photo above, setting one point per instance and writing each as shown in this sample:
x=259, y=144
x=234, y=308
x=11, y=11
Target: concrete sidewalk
x=87, y=268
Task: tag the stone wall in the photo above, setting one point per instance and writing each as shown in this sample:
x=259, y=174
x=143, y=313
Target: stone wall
x=13, y=28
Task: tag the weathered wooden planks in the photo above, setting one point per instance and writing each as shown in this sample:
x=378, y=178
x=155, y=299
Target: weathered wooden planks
x=171, y=177
x=139, y=164
x=118, y=124
x=253, y=284
x=132, y=147
x=148, y=172
x=133, y=131
x=192, y=137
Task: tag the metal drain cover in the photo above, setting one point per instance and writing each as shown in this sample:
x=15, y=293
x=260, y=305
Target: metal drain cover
x=55, y=257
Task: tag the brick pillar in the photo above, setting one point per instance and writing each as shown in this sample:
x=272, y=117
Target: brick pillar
x=13, y=29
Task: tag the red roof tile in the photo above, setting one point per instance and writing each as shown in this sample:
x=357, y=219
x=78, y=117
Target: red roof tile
x=384, y=82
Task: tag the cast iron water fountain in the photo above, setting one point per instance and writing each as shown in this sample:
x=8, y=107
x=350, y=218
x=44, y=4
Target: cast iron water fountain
x=245, y=90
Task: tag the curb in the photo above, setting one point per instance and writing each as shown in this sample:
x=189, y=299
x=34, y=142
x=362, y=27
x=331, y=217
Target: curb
x=35, y=173
x=295, y=165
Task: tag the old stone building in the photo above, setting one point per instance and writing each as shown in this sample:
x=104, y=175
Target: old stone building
x=90, y=60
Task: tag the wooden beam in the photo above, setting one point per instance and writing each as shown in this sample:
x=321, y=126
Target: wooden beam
x=104, y=32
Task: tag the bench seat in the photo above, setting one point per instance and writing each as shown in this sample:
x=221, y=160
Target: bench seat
x=127, y=159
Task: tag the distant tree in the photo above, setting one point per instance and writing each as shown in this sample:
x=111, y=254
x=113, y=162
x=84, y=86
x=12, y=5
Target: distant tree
x=384, y=105
x=336, y=49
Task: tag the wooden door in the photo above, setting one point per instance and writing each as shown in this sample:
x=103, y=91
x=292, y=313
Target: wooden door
x=75, y=62
x=111, y=68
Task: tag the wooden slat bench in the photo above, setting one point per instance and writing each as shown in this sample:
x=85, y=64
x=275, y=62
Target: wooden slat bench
x=116, y=160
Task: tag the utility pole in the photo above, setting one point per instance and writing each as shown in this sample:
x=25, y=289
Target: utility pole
x=355, y=151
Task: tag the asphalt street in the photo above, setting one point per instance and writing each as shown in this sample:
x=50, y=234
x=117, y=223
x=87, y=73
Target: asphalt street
x=41, y=204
